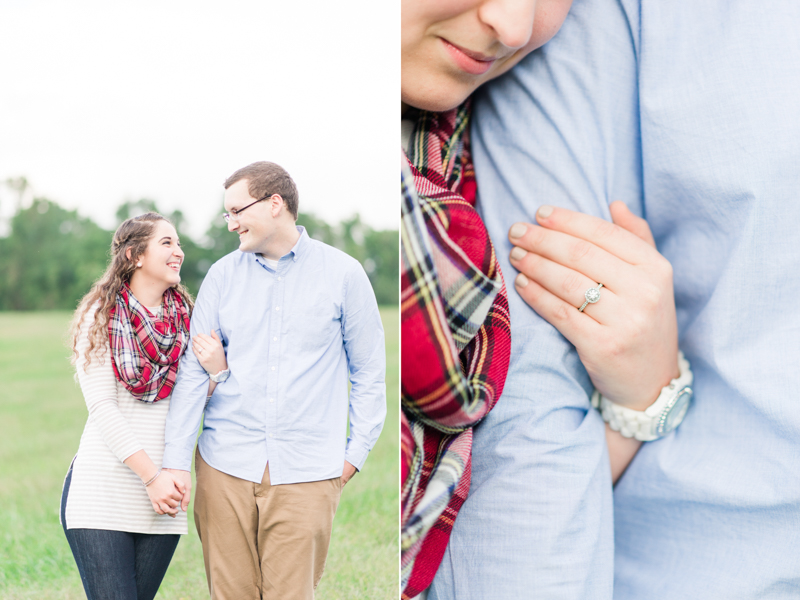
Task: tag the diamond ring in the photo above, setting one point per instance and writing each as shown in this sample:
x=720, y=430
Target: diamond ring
x=592, y=295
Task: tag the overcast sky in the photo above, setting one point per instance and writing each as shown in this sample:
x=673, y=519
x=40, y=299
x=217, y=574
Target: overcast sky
x=106, y=101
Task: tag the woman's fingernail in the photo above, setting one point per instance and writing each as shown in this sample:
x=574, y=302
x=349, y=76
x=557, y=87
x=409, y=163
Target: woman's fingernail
x=518, y=253
x=545, y=211
x=521, y=280
x=517, y=230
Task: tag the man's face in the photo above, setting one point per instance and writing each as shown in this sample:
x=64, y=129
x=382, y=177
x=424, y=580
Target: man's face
x=255, y=226
x=450, y=47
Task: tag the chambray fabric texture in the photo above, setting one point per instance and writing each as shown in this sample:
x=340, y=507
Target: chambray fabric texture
x=291, y=335
x=687, y=111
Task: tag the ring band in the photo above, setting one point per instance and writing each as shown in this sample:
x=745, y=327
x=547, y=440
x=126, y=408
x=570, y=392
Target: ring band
x=592, y=295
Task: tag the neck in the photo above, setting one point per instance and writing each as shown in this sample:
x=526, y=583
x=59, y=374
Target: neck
x=281, y=242
x=147, y=291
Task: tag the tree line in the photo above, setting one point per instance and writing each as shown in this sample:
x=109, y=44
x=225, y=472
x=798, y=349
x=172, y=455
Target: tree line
x=52, y=256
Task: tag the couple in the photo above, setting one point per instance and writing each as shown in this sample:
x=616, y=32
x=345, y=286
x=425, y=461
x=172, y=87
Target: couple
x=264, y=356
x=686, y=113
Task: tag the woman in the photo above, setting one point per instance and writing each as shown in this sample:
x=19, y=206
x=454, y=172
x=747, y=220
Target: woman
x=120, y=512
x=455, y=322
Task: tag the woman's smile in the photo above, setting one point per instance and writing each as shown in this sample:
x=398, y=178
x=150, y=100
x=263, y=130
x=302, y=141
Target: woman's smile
x=471, y=62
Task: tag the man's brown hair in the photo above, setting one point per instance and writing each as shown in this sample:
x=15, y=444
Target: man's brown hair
x=266, y=178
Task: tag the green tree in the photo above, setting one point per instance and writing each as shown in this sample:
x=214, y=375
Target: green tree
x=317, y=228
x=134, y=208
x=51, y=258
x=382, y=264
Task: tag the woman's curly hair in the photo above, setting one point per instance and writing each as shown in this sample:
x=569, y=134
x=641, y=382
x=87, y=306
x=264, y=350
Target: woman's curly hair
x=133, y=234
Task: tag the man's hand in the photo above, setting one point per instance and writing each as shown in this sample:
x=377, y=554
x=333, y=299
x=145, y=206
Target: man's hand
x=164, y=494
x=348, y=472
x=183, y=482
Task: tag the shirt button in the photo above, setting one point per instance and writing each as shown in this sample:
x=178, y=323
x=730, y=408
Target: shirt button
x=272, y=399
x=280, y=278
x=273, y=368
x=275, y=339
x=277, y=308
x=270, y=435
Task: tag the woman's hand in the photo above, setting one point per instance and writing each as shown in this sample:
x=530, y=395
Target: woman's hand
x=628, y=340
x=166, y=494
x=208, y=350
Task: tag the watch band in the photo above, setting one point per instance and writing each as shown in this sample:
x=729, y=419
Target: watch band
x=220, y=377
x=630, y=423
x=649, y=424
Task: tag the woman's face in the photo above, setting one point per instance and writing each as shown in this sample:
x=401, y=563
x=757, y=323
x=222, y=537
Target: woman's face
x=161, y=261
x=450, y=47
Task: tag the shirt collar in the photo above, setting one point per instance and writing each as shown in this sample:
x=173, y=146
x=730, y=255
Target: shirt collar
x=301, y=245
x=297, y=250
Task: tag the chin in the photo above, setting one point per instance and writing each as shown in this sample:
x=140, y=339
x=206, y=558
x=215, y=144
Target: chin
x=247, y=246
x=437, y=88
x=439, y=99
x=173, y=278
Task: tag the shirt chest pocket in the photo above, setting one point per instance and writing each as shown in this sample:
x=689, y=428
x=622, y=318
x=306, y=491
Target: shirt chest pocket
x=315, y=324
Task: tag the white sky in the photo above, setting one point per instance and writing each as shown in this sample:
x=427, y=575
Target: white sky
x=106, y=101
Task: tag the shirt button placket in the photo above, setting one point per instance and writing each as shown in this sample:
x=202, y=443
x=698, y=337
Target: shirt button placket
x=276, y=326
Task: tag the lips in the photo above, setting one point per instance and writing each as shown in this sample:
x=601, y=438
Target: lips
x=471, y=62
x=175, y=266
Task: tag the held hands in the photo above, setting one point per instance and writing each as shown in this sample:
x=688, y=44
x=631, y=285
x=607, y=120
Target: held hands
x=208, y=350
x=183, y=482
x=628, y=340
x=166, y=493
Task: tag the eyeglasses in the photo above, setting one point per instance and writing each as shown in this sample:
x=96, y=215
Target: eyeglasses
x=234, y=214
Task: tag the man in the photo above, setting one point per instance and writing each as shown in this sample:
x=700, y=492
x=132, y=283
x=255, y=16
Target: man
x=294, y=315
x=687, y=112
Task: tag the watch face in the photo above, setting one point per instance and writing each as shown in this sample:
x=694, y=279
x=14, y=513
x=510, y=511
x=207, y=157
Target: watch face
x=673, y=414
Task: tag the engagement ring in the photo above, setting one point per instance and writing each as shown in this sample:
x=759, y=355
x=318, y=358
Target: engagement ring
x=592, y=295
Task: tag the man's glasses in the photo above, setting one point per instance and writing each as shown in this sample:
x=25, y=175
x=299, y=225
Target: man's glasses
x=234, y=214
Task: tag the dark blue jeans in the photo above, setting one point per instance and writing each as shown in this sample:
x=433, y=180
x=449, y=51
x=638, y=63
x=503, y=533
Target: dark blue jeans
x=117, y=565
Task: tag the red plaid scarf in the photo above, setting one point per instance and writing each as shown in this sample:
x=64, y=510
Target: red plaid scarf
x=456, y=340
x=145, y=351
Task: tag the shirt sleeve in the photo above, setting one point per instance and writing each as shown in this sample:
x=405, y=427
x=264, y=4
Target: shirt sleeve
x=562, y=128
x=189, y=396
x=366, y=359
x=99, y=386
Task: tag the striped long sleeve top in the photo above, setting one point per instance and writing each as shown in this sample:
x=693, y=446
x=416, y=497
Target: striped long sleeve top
x=104, y=492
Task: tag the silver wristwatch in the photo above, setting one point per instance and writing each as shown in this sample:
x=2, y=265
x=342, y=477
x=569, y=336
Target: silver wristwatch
x=221, y=376
x=658, y=419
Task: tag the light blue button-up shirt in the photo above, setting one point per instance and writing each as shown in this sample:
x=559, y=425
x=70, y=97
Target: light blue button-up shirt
x=291, y=334
x=690, y=113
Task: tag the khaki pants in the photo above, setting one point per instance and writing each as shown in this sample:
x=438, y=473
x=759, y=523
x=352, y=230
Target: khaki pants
x=260, y=540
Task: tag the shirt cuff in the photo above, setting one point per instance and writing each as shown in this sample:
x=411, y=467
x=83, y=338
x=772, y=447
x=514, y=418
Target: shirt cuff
x=177, y=458
x=356, y=454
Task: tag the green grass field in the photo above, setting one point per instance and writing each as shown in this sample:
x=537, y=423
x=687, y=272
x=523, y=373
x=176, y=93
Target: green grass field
x=43, y=414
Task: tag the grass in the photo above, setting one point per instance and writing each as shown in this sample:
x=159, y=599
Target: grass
x=43, y=415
